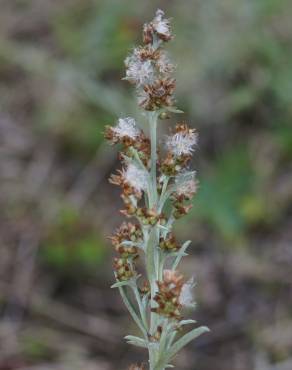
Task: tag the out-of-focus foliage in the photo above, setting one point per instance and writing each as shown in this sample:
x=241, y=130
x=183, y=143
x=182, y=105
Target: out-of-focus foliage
x=61, y=64
x=221, y=194
x=72, y=243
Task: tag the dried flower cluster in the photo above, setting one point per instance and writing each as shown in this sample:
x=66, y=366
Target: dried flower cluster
x=151, y=184
x=149, y=68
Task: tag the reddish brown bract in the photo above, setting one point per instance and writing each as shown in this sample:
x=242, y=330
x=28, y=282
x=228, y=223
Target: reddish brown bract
x=168, y=294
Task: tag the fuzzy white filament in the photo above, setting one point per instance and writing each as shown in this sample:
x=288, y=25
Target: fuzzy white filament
x=139, y=71
x=186, y=183
x=186, y=297
x=136, y=177
x=160, y=24
x=126, y=127
x=182, y=143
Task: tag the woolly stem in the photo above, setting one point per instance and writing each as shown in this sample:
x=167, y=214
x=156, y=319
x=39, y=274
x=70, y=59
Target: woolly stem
x=153, y=140
x=152, y=116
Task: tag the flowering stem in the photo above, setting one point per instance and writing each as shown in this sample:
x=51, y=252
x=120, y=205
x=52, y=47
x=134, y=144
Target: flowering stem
x=152, y=245
x=153, y=242
x=153, y=140
x=151, y=256
x=157, y=306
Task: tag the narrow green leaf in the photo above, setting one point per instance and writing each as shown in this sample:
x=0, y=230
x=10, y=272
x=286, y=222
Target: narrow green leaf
x=133, y=338
x=129, y=282
x=187, y=322
x=136, y=341
x=128, y=243
x=119, y=284
x=175, y=254
x=132, y=310
x=180, y=254
x=162, y=227
x=137, y=159
x=145, y=301
x=174, y=110
x=137, y=344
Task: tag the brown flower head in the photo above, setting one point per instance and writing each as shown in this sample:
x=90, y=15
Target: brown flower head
x=127, y=232
x=123, y=269
x=157, y=95
x=169, y=243
x=168, y=294
x=159, y=28
x=180, y=209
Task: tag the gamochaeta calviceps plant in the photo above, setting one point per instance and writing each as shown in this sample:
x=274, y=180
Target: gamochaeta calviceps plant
x=157, y=187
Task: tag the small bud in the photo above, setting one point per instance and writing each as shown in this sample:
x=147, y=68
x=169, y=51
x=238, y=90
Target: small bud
x=164, y=115
x=148, y=216
x=181, y=210
x=145, y=289
x=123, y=269
x=169, y=244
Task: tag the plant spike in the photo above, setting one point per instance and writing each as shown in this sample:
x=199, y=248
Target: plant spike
x=149, y=181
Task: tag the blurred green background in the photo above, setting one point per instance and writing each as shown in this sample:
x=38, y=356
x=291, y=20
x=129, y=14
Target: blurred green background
x=61, y=64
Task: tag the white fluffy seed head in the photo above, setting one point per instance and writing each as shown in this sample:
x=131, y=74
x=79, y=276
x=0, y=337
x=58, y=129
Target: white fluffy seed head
x=127, y=127
x=136, y=177
x=182, y=143
x=186, y=297
x=160, y=24
x=139, y=71
x=186, y=183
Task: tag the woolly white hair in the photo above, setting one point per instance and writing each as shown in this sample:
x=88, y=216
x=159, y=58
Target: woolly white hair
x=127, y=127
x=182, y=143
x=186, y=183
x=161, y=24
x=186, y=297
x=136, y=177
x=139, y=71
